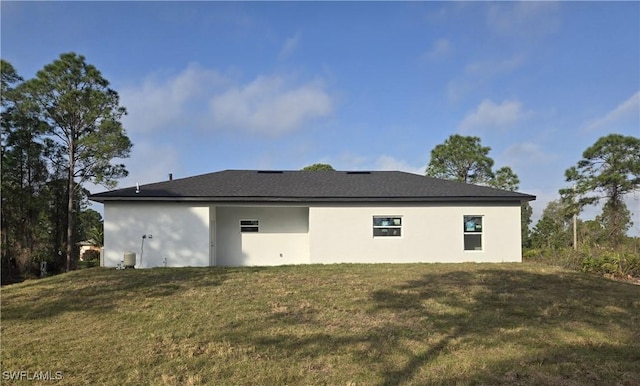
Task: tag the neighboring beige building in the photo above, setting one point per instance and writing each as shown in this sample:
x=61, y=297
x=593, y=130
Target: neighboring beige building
x=261, y=218
x=87, y=245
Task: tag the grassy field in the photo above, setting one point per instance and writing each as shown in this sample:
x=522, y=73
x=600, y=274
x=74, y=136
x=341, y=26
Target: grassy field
x=519, y=324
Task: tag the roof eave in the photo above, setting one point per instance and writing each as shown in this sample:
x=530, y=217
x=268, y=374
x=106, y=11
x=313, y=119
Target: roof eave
x=524, y=198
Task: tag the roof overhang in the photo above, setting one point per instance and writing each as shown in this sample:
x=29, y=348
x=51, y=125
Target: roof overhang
x=299, y=200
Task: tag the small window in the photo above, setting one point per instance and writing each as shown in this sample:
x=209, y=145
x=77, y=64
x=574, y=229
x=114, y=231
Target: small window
x=472, y=233
x=248, y=226
x=387, y=226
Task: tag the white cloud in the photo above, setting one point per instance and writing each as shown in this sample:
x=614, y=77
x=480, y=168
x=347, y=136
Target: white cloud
x=203, y=98
x=439, y=49
x=289, y=46
x=478, y=73
x=523, y=19
x=270, y=105
x=151, y=162
x=490, y=68
x=629, y=109
x=161, y=103
x=527, y=153
x=386, y=162
x=493, y=116
x=349, y=161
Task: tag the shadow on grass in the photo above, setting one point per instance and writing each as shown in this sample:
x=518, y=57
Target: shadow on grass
x=100, y=290
x=490, y=303
x=549, y=323
x=375, y=324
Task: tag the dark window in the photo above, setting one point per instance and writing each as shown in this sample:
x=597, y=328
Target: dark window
x=247, y=226
x=472, y=226
x=387, y=226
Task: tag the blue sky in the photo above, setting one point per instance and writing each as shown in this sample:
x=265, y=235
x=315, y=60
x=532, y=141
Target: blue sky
x=360, y=85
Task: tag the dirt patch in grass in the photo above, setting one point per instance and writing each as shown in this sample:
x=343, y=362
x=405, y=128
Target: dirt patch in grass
x=334, y=324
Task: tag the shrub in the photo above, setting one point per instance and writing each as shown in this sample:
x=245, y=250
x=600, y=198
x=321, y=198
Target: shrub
x=532, y=254
x=91, y=255
x=617, y=264
x=565, y=258
x=90, y=259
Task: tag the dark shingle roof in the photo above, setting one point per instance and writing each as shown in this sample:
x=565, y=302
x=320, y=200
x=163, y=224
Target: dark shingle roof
x=310, y=186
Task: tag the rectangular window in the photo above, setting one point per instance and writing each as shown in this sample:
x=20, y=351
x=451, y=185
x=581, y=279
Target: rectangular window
x=247, y=226
x=387, y=226
x=472, y=233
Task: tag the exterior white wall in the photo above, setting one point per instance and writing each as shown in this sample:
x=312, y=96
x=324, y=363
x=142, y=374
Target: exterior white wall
x=192, y=234
x=430, y=233
x=283, y=237
x=180, y=233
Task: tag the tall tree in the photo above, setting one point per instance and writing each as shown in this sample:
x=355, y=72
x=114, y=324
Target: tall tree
x=552, y=231
x=608, y=170
x=90, y=226
x=526, y=211
x=462, y=159
x=83, y=116
x=318, y=167
x=9, y=78
x=24, y=178
x=505, y=178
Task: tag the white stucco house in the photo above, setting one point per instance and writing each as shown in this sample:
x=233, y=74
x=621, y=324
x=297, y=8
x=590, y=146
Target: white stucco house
x=263, y=218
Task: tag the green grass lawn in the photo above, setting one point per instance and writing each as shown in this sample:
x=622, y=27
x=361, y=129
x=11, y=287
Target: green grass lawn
x=522, y=324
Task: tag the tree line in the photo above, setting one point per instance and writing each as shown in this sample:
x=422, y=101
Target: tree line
x=608, y=171
x=60, y=130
